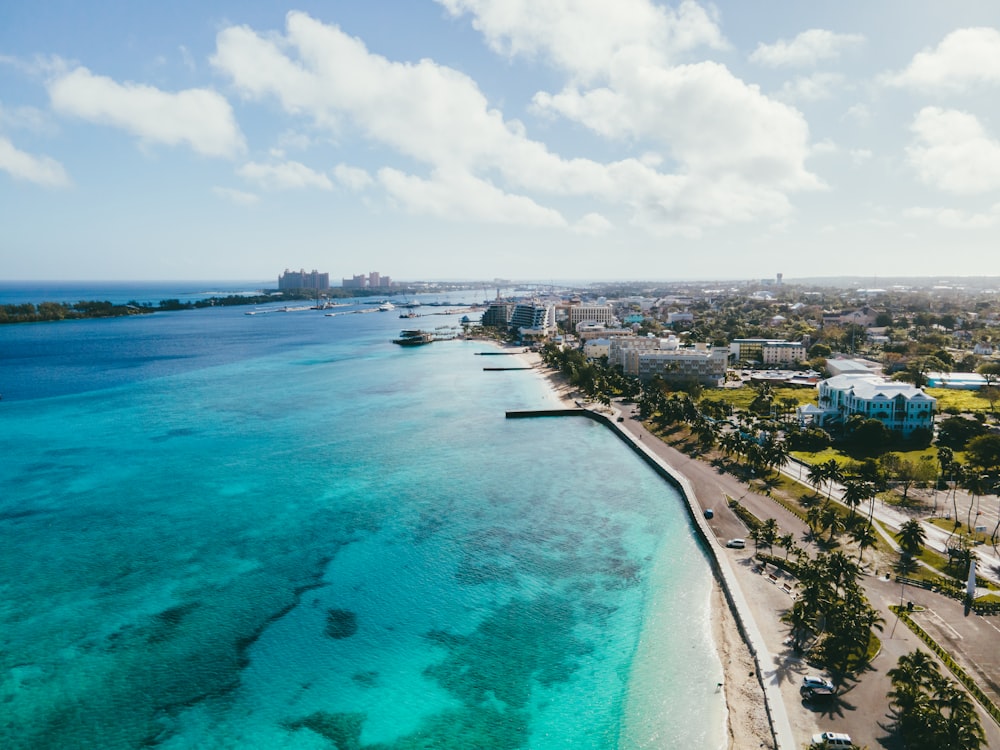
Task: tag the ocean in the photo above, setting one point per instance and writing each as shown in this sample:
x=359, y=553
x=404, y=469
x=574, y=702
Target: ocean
x=281, y=530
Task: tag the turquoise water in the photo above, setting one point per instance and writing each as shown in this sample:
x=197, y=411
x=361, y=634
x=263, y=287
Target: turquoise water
x=285, y=532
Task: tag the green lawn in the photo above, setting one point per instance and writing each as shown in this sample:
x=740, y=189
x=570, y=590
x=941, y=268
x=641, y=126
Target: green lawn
x=966, y=401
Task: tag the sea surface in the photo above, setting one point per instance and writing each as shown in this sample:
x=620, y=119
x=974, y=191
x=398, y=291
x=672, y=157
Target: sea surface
x=281, y=530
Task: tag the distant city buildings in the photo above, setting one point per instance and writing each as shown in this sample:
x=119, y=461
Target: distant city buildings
x=314, y=280
x=372, y=280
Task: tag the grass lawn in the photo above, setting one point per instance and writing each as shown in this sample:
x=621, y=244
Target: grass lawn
x=741, y=398
x=966, y=401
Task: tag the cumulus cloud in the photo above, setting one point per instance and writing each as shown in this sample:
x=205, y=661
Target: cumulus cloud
x=592, y=224
x=805, y=50
x=289, y=175
x=952, y=151
x=41, y=170
x=199, y=118
x=239, y=197
x=964, y=59
x=586, y=37
x=352, y=177
x=953, y=218
x=735, y=152
x=812, y=88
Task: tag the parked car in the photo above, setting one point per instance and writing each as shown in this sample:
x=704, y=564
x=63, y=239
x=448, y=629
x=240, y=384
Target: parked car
x=831, y=740
x=737, y=543
x=709, y=513
x=812, y=682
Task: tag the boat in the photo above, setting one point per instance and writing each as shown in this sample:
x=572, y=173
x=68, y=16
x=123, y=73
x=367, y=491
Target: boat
x=386, y=307
x=414, y=337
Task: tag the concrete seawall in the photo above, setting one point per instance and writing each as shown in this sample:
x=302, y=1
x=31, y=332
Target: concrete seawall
x=721, y=566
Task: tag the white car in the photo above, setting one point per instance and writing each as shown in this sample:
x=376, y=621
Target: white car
x=832, y=740
x=815, y=682
x=737, y=543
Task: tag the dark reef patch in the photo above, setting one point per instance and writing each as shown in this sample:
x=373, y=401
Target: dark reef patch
x=341, y=623
x=342, y=729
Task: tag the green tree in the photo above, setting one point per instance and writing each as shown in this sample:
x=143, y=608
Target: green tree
x=911, y=537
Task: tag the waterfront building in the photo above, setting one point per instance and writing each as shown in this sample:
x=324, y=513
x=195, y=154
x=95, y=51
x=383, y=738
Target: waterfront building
x=644, y=357
x=372, y=280
x=314, y=280
x=902, y=407
x=497, y=315
x=597, y=348
x=533, y=320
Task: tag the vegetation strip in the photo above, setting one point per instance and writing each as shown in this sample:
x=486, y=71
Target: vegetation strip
x=960, y=674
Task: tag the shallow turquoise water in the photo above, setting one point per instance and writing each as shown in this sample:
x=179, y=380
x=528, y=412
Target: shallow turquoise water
x=334, y=542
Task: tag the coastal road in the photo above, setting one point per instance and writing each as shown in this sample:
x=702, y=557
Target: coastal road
x=861, y=708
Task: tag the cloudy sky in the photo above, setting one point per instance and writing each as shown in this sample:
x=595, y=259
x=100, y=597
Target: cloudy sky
x=527, y=139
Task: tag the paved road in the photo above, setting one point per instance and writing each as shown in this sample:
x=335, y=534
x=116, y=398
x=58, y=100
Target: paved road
x=860, y=709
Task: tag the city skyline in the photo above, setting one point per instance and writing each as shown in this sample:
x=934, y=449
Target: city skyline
x=477, y=138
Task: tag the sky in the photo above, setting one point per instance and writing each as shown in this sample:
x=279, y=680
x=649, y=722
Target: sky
x=521, y=139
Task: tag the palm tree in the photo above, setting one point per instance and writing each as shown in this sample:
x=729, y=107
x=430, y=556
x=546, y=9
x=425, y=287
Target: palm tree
x=864, y=536
x=787, y=543
x=855, y=492
x=769, y=533
x=816, y=476
x=832, y=473
x=911, y=537
x=830, y=519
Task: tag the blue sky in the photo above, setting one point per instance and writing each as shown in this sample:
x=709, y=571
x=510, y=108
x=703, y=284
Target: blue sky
x=526, y=139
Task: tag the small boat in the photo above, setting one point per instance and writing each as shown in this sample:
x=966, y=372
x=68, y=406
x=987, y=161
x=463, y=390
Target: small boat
x=414, y=338
x=386, y=307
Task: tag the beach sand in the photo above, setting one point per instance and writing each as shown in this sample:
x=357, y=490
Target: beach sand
x=747, y=724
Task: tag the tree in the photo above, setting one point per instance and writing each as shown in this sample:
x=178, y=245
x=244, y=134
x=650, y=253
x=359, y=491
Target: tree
x=856, y=492
x=911, y=537
x=984, y=452
x=864, y=536
x=990, y=371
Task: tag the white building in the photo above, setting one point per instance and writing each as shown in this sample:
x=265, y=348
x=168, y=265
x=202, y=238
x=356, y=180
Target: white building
x=594, y=313
x=901, y=407
x=597, y=348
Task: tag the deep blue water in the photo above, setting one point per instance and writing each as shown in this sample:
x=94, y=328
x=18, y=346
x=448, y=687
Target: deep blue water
x=282, y=531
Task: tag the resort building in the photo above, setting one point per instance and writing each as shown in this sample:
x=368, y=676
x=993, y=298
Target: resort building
x=497, y=315
x=533, y=320
x=901, y=407
x=301, y=280
x=646, y=357
x=373, y=280
x=597, y=348
x=767, y=351
x=576, y=314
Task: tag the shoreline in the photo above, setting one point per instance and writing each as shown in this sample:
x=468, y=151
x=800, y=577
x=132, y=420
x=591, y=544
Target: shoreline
x=747, y=723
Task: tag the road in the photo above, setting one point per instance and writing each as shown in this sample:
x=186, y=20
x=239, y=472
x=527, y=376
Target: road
x=861, y=707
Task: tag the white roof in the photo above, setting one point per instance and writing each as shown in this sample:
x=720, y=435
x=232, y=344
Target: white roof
x=871, y=386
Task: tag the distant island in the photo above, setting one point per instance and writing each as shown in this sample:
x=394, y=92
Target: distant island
x=29, y=312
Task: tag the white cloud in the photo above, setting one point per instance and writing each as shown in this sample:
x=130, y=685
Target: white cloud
x=812, y=88
x=709, y=121
x=592, y=224
x=965, y=58
x=200, y=118
x=288, y=175
x=23, y=117
x=457, y=195
x=952, y=151
x=721, y=134
x=953, y=218
x=585, y=37
x=353, y=178
x=807, y=49
x=239, y=197
x=858, y=113
x=41, y=170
